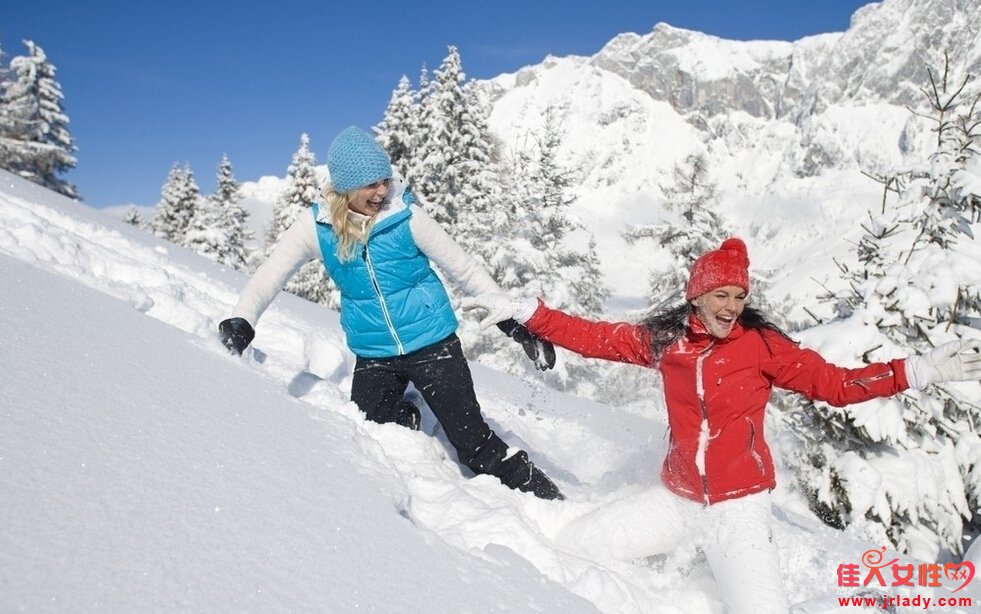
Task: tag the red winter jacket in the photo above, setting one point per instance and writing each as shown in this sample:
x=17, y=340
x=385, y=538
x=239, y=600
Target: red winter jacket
x=716, y=391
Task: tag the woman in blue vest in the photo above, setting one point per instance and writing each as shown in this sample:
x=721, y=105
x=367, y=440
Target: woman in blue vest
x=377, y=246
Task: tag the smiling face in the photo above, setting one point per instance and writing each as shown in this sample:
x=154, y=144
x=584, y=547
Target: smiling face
x=368, y=200
x=718, y=309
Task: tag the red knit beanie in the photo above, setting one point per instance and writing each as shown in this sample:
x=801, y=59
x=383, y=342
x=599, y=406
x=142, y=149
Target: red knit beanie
x=726, y=266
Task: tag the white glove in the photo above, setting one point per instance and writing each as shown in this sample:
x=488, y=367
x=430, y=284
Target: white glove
x=951, y=362
x=501, y=307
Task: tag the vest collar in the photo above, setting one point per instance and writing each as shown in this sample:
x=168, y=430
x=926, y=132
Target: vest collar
x=391, y=207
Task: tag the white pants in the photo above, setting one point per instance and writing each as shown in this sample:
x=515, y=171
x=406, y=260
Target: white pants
x=734, y=535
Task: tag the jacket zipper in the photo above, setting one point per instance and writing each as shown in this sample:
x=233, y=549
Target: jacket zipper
x=381, y=300
x=864, y=382
x=704, y=432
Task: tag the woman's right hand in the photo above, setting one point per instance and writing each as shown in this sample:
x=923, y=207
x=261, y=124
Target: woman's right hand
x=501, y=307
x=236, y=334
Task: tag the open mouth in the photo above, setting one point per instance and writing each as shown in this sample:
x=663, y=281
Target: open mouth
x=725, y=320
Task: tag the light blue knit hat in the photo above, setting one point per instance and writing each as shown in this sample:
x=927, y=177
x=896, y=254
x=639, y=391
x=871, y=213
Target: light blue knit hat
x=355, y=160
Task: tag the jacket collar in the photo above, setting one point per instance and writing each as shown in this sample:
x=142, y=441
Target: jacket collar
x=698, y=333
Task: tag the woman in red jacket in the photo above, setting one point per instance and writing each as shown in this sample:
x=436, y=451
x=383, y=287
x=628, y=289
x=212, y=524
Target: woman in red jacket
x=720, y=360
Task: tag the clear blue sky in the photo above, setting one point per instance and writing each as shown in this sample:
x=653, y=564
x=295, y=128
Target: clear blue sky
x=151, y=83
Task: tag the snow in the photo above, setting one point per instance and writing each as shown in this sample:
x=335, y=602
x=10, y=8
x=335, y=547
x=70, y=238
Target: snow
x=142, y=468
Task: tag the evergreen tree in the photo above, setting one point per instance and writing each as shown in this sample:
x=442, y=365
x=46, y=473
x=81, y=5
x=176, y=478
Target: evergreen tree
x=698, y=230
x=133, y=217
x=398, y=127
x=234, y=218
x=300, y=192
x=35, y=142
x=179, y=200
x=539, y=249
x=452, y=171
x=6, y=121
x=302, y=189
x=906, y=293
x=206, y=233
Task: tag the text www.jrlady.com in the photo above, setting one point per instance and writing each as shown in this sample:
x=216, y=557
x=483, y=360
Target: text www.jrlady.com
x=886, y=601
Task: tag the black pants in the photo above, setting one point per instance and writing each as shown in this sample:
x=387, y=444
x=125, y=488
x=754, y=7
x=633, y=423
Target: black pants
x=441, y=374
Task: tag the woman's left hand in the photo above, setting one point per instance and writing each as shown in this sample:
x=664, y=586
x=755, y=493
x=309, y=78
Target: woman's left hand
x=951, y=362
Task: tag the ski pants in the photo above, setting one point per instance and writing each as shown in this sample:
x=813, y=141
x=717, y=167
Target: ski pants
x=735, y=536
x=441, y=374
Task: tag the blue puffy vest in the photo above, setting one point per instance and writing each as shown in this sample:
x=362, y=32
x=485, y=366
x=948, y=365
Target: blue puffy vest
x=392, y=302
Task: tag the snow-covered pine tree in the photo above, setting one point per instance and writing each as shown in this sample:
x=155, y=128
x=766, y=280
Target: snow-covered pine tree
x=6, y=125
x=698, y=229
x=540, y=249
x=452, y=171
x=907, y=470
x=35, y=142
x=179, y=200
x=302, y=189
x=133, y=217
x=234, y=218
x=568, y=244
x=206, y=233
x=397, y=130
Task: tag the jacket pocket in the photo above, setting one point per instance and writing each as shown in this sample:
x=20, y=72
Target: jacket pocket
x=752, y=447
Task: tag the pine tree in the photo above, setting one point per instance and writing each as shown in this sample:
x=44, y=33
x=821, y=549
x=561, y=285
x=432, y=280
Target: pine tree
x=302, y=188
x=908, y=469
x=6, y=121
x=234, y=218
x=539, y=249
x=453, y=171
x=179, y=200
x=300, y=192
x=133, y=217
x=35, y=142
x=398, y=127
x=698, y=230
x=206, y=234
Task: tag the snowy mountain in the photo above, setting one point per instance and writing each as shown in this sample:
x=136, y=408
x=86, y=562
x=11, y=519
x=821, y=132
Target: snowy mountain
x=788, y=128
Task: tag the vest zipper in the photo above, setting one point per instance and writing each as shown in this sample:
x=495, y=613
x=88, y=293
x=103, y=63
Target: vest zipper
x=381, y=300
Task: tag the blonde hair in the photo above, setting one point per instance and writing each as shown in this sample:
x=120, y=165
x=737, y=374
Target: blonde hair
x=349, y=234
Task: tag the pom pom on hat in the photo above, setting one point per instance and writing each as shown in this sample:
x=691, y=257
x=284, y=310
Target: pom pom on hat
x=355, y=160
x=726, y=266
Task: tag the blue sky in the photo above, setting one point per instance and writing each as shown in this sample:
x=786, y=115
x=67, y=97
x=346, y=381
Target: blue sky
x=148, y=84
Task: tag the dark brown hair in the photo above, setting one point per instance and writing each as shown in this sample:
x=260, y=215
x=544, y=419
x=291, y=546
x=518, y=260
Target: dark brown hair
x=668, y=326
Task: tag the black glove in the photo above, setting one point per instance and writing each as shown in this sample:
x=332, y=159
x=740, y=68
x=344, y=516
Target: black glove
x=541, y=352
x=236, y=334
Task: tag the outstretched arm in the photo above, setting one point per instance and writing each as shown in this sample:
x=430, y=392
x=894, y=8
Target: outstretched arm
x=616, y=341
x=297, y=246
x=449, y=256
x=433, y=241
